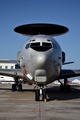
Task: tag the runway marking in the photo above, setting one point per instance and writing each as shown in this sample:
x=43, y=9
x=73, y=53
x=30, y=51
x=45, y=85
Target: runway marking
x=41, y=111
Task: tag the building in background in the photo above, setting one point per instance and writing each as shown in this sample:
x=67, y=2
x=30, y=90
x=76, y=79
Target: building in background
x=8, y=64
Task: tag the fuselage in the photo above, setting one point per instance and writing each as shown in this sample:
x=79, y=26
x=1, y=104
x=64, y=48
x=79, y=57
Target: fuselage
x=41, y=59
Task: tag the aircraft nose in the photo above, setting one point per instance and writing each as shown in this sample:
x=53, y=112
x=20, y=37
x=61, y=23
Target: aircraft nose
x=41, y=59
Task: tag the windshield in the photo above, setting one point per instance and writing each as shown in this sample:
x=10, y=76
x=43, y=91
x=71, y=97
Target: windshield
x=41, y=48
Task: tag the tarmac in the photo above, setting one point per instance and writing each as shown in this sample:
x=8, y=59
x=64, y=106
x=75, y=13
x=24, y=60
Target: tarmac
x=22, y=105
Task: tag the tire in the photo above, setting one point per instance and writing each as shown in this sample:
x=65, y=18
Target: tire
x=19, y=87
x=13, y=87
x=68, y=88
x=61, y=88
x=37, y=95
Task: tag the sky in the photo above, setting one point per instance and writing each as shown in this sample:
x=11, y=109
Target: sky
x=18, y=12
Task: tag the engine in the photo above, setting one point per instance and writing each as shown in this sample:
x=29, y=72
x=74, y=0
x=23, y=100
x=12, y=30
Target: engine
x=63, y=57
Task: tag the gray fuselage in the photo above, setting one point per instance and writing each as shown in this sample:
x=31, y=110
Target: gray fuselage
x=41, y=56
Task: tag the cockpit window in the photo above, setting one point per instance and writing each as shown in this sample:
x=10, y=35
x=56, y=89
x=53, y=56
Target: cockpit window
x=44, y=46
x=49, y=45
x=37, y=44
x=27, y=46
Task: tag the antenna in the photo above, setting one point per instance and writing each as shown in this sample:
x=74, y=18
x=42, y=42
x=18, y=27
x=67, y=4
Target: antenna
x=41, y=28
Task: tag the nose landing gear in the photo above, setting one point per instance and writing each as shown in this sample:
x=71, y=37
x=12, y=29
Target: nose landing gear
x=40, y=94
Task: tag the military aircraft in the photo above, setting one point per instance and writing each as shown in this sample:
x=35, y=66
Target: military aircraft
x=41, y=59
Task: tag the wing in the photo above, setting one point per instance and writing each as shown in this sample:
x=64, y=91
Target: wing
x=68, y=63
x=11, y=72
x=67, y=73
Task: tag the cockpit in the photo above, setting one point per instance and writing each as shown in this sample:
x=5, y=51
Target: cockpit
x=39, y=46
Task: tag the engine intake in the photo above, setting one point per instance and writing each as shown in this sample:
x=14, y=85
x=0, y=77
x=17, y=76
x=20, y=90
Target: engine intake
x=63, y=57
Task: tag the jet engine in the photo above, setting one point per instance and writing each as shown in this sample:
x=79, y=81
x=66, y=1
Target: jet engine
x=63, y=57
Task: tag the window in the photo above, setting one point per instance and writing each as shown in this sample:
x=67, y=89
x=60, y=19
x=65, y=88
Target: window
x=11, y=67
x=6, y=67
x=41, y=48
x=0, y=67
x=37, y=44
x=17, y=66
x=48, y=45
x=27, y=46
x=54, y=46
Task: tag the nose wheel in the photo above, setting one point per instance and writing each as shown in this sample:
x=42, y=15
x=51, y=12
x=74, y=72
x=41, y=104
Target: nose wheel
x=40, y=94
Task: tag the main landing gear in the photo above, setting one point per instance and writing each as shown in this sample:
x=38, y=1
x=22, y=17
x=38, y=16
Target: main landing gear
x=17, y=86
x=65, y=86
x=40, y=94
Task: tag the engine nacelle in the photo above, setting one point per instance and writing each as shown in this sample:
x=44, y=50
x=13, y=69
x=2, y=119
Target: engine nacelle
x=63, y=57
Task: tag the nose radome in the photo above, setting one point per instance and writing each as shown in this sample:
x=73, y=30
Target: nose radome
x=41, y=59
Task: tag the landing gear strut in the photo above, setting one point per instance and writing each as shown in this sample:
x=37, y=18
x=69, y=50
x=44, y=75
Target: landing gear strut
x=17, y=86
x=40, y=94
x=65, y=86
